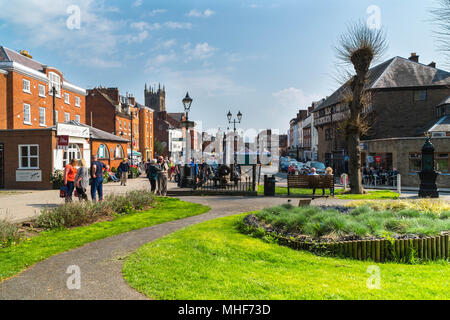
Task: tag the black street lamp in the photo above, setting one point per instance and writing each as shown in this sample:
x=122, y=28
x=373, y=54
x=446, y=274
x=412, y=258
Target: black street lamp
x=234, y=122
x=187, y=103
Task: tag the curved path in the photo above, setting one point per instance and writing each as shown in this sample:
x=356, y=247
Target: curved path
x=100, y=262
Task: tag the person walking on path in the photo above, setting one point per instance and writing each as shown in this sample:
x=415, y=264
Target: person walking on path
x=162, y=177
x=124, y=168
x=97, y=168
x=82, y=180
x=152, y=174
x=171, y=169
x=69, y=179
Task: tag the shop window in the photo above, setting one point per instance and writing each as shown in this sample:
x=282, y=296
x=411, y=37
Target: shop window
x=415, y=162
x=442, y=163
x=28, y=156
x=118, y=153
x=72, y=152
x=102, y=152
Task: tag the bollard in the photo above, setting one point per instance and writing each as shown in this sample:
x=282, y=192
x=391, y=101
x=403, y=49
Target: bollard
x=399, y=184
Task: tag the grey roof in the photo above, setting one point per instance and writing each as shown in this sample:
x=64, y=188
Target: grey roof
x=97, y=134
x=442, y=125
x=8, y=55
x=397, y=72
x=178, y=116
x=444, y=102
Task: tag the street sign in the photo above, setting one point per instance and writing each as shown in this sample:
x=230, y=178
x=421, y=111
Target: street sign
x=378, y=159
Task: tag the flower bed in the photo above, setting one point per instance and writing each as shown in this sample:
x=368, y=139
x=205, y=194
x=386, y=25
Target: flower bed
x=362, y=233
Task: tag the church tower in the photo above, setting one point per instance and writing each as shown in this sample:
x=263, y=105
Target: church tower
x=155, y=99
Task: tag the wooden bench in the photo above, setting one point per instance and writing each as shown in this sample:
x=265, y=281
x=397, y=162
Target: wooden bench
x=310, y=182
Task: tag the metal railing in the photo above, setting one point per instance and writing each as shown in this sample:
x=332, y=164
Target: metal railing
x=225, y=178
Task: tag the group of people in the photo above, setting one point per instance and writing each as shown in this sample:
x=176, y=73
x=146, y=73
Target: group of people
x=77, y=180
x=328, y=172
x=379, y=175
x=158, y=173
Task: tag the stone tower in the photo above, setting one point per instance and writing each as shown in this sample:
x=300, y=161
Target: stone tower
x=155, y=99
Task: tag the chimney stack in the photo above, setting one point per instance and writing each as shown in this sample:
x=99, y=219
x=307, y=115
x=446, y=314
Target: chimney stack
x=414, y=57
x=432, y=64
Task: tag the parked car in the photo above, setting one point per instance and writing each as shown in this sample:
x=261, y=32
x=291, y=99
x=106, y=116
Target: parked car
x=319, y=166
x=285, y=165
x=300, y=168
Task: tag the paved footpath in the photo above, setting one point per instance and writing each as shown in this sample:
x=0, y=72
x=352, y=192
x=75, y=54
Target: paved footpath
x=100, y=262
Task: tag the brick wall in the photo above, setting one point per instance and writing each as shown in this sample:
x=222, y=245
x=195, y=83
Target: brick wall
x=3, y=100
x=146, y=133
x=47, y=143
x=111, y=161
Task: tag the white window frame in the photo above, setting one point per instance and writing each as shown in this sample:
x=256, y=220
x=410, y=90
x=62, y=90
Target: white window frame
x=78, y=118
x=29, y=114
x=66, y=98
x=42, y=94
x=66, y=115
x=28, y=82
x=29, y=156
x=56, y=116
x=77, y=102
x=54, y=81
x=44, y=124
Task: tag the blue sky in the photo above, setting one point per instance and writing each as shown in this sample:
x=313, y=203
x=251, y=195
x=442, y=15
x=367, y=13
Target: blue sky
x=265, y=58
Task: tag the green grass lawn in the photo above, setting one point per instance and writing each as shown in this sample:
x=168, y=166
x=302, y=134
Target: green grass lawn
x=212, y=260
x=16, y=258
x=378, y=194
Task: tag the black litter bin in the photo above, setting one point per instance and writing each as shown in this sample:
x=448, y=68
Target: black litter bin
x=269, y=186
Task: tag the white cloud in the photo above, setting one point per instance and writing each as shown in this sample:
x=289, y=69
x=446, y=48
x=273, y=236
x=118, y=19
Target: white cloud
x=169, y=43
x=43, y=23
x=157, y=11
x=199, y=52
x=157, y=63
x=137, y=3
x=198, y=14
x=178, y=25
x=293, y=99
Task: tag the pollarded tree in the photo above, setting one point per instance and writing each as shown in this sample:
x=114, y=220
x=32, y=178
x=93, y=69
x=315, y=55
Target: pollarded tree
x=441, y=17
x=358, y=47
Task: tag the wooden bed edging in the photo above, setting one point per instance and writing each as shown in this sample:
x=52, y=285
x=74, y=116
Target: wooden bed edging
x=428, y=248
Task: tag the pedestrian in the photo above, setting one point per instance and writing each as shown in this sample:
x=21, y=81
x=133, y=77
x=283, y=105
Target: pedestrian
x=124, y=168
x=70, y=172
x=82, y=180
x=152, y=174
x=97, y=168
x=171, y=169
x=178, y=175
x=162, y=177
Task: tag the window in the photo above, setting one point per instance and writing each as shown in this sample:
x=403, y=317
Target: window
x=26, y=114
x=66, y=98
x=442, y=163
x=42, y=90
x=56, y=116
x=26, y=86
x=118, y=153
x=42, y=117
x=77, y=118
x=102, y=152
x=66, y=117
x=420, y=95
x=120, y=124
x=55, y=81
x=72, y=152
x=28, y=156
x=415, y=162
x=328, y=134
x=77, y=101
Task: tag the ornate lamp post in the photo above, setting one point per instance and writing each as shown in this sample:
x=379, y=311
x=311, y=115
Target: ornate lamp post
x=428, y=175
x=234, y=122
x=187, y=103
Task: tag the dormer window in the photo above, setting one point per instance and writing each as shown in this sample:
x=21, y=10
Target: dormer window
x=54, y=82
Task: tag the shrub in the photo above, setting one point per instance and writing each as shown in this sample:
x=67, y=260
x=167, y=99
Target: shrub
x=9, y=233
x=57, y=179
x=423, y=205
x=81, y=213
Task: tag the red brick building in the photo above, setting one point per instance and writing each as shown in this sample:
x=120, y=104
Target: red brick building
x=28, y=93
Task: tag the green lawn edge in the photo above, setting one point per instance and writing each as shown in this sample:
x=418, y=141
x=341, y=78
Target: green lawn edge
x=212, y=260
x=370, y=195
x=15, y=259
